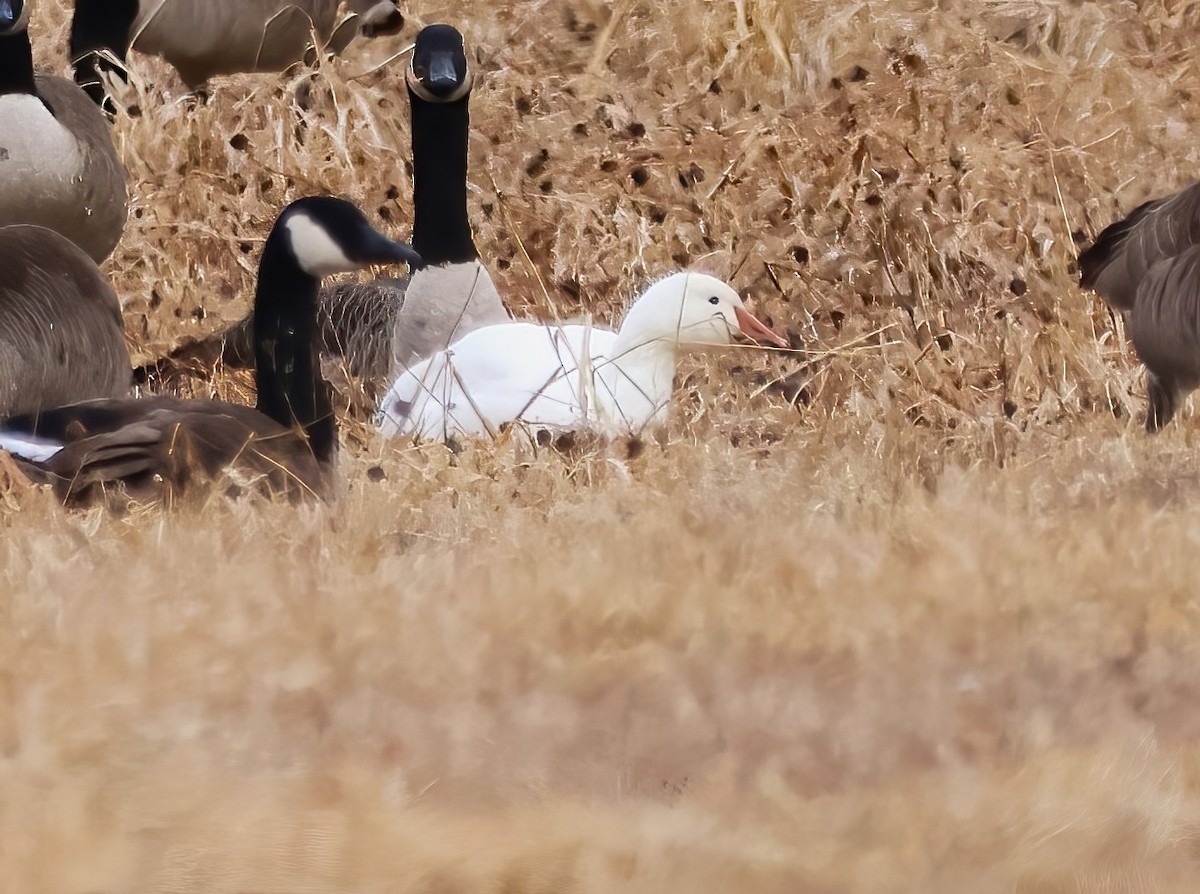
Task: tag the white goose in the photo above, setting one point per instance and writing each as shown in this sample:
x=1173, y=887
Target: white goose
x=570, y=377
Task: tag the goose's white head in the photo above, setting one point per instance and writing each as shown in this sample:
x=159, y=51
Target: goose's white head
x=695, y=310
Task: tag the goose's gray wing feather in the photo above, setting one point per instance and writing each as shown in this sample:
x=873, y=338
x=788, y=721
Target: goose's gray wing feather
x=356, y=324
x=61, y=334
x=159, y=444
x=1164, y=324
x=1125, y=251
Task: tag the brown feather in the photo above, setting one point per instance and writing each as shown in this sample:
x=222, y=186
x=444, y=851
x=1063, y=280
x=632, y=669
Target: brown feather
x=1115, y=265
x=162, y=446
x=1148, y=266
x=61, y=335
x=1164, y=326
x=203, y=38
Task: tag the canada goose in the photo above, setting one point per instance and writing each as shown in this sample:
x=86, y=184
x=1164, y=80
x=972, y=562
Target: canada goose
x=164, y=443
x=374, y=327
x=564, y=378
x=58, y=166
x=61, y=337
x=203, y=38
x=1148, y=266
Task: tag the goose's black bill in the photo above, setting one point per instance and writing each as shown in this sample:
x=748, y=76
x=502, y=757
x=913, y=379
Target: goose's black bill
x=378, y=249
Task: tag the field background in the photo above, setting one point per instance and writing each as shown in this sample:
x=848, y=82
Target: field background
x=933, y=626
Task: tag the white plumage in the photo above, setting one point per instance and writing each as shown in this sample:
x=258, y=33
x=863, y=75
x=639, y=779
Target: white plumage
x=31, y=447
x=565, y=377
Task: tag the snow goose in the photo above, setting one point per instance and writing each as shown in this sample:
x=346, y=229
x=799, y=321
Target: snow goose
x=164, y=443
x=58, y=166
x=1148, y=266
x=564, y=377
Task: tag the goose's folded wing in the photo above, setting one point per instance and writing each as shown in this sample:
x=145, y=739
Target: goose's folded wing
x=1165, y=321
x=1124, y=252
x=154, y=442
x=356, y=322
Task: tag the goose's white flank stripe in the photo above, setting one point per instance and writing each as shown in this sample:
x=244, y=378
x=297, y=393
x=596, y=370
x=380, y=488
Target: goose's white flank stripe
x=28, y=446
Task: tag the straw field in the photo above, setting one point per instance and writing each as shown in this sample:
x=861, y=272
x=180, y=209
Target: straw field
x=912, y=607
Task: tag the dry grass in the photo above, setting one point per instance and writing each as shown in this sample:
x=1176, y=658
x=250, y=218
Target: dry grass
x=934, y=631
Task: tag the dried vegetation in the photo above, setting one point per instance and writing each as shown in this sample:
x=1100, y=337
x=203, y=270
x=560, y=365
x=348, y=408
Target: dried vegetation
x=932, y=627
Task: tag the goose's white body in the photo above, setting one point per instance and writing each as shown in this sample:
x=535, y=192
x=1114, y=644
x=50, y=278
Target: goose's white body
x=567, y=377
x=543, y=375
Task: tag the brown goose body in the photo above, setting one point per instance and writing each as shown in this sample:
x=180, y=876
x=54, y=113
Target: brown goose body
x=384, y=326
x=61, y=336
x=1147, y=265
x=354, y=325
x=205, y=38
x=1118, y=261
x=373, y=329
x=58, y=165
x=160, y=446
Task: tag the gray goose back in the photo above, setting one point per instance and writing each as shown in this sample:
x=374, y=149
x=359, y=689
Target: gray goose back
x=1116, y=263
x=1148, y=266
x=205, y=38
x=61, y=338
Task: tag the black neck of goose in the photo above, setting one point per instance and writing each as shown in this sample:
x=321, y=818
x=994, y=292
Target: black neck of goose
x=16, y=64
x=99, y=25
x=441, y=231
x=287, y=370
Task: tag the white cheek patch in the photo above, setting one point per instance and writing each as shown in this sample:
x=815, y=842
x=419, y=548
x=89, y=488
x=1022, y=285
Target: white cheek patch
x=316, y=252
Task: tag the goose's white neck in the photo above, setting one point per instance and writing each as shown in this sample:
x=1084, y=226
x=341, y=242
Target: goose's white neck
x=638, y=379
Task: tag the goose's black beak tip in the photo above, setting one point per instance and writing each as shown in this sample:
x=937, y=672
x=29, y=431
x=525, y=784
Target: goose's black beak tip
x=404, y=254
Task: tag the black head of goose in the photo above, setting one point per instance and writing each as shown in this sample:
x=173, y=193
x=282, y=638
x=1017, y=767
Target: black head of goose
x=1147, y=265
x=288, y=441
x=371, y=326
x=204, y=38
x=58, y=166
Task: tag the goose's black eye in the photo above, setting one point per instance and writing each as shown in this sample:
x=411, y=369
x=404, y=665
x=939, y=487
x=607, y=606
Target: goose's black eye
x=714, y=300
